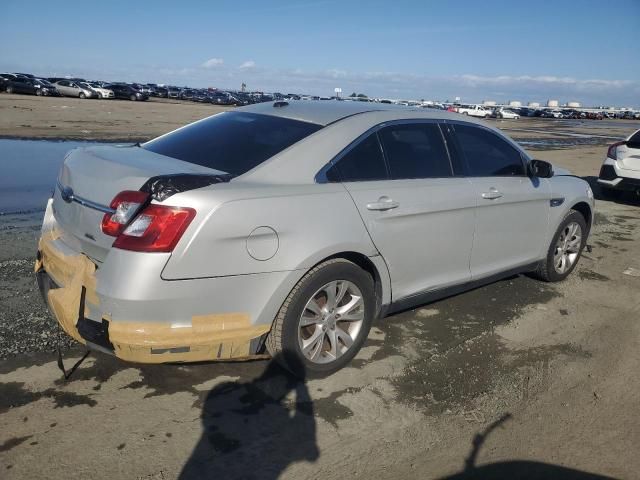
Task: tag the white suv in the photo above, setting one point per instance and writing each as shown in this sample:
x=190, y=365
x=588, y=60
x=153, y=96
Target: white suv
x=620, y=171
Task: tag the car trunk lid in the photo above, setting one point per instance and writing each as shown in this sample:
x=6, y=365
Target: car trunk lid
x=89, y=180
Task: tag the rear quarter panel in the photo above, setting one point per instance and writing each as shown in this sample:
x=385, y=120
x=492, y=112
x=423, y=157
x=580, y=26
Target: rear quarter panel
x=311, y=222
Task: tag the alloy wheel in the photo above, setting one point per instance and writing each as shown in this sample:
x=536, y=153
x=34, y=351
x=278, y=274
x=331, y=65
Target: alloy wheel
x=331, y=321
x=567, y=247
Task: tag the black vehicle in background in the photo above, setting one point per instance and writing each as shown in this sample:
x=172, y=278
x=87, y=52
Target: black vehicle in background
x=4, y=82
x=222, y=98
x=187, y=94
x=201, y=96
x=31, y=86
x=173, y=92
x=160, y=92
x=126, y=92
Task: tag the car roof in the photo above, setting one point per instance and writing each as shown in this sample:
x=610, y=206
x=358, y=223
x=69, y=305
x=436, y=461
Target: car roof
x=330, y=111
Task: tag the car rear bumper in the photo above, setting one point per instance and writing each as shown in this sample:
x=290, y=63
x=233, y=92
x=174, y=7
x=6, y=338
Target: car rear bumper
x=139, y=317
x=614, y=177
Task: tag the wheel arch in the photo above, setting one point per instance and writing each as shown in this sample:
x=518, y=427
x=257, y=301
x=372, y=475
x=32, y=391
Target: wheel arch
x=585, y=210
x=381, y=282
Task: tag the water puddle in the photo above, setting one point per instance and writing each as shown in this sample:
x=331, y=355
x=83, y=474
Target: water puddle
x=28, y=171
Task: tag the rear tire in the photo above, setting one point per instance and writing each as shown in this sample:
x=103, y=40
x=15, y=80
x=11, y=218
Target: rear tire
x=548, y=269
x=133, y=98
x=38, y=92
x=9, y=89
x=338, y=340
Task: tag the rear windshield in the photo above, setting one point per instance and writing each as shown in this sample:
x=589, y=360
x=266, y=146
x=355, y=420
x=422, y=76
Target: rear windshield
x=232, y=142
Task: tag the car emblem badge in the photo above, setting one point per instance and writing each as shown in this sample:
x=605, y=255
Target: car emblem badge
x=67, y=194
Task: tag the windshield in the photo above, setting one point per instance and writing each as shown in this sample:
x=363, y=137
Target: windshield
x=232, y=142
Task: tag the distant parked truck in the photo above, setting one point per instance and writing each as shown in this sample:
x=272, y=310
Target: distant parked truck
x=474, y=111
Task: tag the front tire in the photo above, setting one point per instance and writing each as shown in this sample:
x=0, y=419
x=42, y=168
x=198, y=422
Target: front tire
x=133, y=98
x=565, y=249
x=325, y=319
x=82, y=95
x=9, y=89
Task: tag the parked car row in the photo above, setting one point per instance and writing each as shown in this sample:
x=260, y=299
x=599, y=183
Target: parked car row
x=69, y=87
x=483, y=111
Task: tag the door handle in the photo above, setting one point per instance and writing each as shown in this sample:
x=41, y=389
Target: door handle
x=383, y=203
x=492, y=194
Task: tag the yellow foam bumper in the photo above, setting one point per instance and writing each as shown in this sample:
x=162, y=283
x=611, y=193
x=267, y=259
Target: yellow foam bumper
x=209, y=337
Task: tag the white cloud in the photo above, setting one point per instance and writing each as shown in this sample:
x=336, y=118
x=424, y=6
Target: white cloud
x=248, y=64
x=548, y=80
x=213, y=62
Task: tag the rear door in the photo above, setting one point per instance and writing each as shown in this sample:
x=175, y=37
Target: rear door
x=513, y=209
x=63, y=88
x=419, y=215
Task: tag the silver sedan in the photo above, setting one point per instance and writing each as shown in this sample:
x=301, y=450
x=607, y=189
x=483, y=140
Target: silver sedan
x=71, y=88
x=288, y=227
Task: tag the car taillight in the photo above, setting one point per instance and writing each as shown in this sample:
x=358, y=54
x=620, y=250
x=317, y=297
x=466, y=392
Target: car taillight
x=613, y=150
x=157, y=228
x=126, y=204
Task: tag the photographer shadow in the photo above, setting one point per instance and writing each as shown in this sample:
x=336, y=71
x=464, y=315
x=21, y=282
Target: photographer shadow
x=254, y=430
x=515, y=469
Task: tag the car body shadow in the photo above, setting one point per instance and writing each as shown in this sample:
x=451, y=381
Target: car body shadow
x=256, y=429
x=516, y=469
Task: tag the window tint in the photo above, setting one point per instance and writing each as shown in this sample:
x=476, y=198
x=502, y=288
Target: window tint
x=487, y=154
x=415, y=151
x=362, y=163
x=634, y=141
x=232, y=142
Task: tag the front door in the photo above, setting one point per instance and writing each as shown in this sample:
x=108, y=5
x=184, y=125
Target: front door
x=512, y=213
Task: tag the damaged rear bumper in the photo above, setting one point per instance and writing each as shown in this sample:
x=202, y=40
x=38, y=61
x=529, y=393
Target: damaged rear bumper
x=105, y=319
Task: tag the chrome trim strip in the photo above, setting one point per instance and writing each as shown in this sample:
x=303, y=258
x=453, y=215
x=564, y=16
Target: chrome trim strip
x=87, y=203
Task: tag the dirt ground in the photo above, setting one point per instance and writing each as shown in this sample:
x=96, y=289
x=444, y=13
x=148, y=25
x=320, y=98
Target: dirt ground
x=518, y=379
x=27, y=116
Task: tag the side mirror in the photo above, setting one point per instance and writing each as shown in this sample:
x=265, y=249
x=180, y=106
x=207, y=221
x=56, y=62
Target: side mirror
x=540, y=169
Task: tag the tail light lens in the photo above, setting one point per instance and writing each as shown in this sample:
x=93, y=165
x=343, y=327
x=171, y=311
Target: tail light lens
x=126, y=204
x=157, y=228
x=613, y=150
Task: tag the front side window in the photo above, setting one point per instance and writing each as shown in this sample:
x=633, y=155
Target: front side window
x=415, y=151
x=232, y=142
x=487, y=154
x=362, y=163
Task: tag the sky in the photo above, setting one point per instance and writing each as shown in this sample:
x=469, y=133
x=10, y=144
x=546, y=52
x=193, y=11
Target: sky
x=586, y=51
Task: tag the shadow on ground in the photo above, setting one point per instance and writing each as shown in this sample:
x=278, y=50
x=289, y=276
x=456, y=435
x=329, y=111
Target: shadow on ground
x=254, y=430
x=516, y=469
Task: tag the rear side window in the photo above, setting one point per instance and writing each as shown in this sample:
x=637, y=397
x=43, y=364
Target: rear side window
x=415, y=151
x=634, y=141
x=362, y=163
x=487, y=154
x=232, y=142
